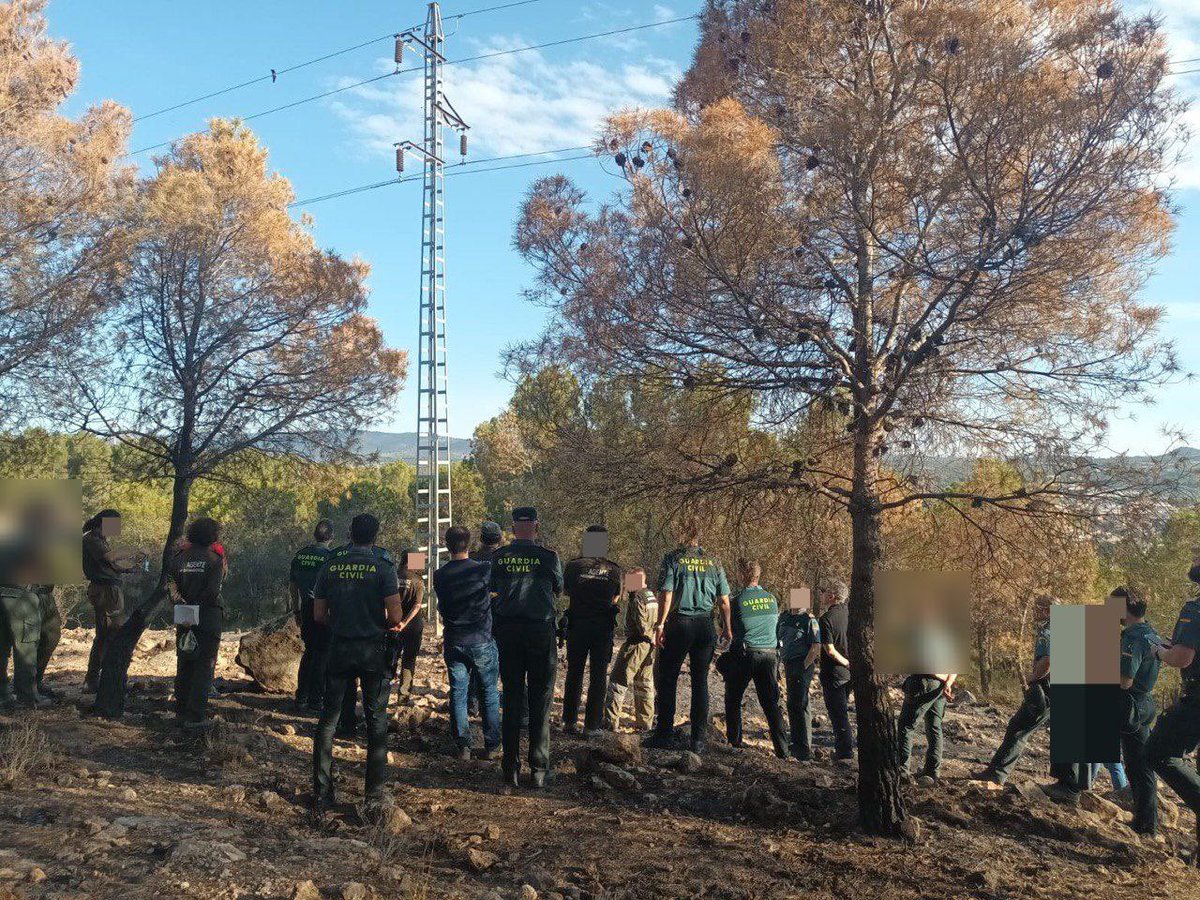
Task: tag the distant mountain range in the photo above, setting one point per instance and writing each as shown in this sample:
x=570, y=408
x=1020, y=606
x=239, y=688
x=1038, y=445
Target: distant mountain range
x=392, y=446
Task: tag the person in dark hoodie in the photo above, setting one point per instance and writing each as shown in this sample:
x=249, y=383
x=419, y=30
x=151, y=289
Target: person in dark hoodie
x=197, y=573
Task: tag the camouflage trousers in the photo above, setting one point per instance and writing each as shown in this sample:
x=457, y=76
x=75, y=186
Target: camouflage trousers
x=633, y=668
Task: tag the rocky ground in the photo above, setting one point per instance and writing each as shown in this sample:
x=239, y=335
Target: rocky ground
x=131, y=810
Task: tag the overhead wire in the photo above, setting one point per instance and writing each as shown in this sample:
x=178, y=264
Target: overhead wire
x=461, y=169
x=274, y=74
x=482, y=56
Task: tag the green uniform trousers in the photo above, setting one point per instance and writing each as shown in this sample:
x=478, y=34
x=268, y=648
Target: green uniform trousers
x=924, y=702
x=1177, y=733
x=20, y=631
x=50, y=633
x=633, y=668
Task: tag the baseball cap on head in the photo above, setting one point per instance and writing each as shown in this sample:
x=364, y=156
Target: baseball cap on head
x=524, y=514
x=490, y=533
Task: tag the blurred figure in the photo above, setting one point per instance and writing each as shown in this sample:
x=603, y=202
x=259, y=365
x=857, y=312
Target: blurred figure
x=197, y=573
x=835, y=665
x=306, y=564
x=753, y=656
x=593, y=584
x=634, y=666
x=468, y=648
x=800, y=646
x=103, y=568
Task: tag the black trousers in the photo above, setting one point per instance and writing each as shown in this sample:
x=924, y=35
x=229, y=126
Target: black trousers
x=837, y=704
x=924, y=702
x=310, y=680
x=761, y=667
x=587, y=639
x=364, y=661
x=194, y=674
x=693, y=638
x=528, y=666
x=410, y=649
x=798, y=679
x=1177, y=733
x=1137, y=714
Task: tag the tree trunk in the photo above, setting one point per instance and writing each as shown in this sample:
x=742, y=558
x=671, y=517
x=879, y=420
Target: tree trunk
x=983, y=651
x=114, y=672
x=880, y=804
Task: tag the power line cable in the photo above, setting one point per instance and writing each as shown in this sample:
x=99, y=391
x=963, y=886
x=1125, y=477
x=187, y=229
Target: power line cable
x=482, y=56
x=454, y=170
x=274, y=74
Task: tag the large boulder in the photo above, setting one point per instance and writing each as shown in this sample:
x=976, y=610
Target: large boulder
x=270, y=655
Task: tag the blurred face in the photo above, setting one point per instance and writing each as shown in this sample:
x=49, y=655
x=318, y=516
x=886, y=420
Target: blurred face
x=110, y=526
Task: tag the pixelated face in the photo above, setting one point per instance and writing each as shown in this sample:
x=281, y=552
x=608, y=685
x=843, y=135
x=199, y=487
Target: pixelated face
x=416, y=562
x=110, y=526
x=635, y=581
x=800, y=599
x=922, y=622
x=595, y=543
x=40, y=541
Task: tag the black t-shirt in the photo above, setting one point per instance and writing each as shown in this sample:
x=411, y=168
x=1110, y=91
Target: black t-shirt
x=198, y=574
x=463, y=601
x=834, y=625
x=354, y=584
x=593, y=584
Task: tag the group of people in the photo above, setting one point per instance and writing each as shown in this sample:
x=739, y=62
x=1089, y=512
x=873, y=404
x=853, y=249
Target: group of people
x=361, y=617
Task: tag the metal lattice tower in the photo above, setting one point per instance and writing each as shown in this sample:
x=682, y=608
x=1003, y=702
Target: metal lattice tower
x=433, y=502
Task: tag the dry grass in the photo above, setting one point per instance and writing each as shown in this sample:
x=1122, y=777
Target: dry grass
x=24, y=751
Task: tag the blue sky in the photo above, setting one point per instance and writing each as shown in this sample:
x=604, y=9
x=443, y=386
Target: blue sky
x=150, y=54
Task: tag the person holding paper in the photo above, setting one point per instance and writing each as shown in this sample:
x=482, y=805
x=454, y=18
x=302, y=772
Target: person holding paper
x=103, y=567
x=691, y=585
x=634, y=666
x=753, y=656
x=197, y=572
x=799, y=636
x=593, y=584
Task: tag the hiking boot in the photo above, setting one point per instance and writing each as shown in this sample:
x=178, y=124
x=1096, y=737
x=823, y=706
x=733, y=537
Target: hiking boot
x=512, y=778
x=570, y=728
x=463, y=754
x=658, y=741
x=1062, y=793
x=988, y=774
x=491, y=752
x=537, y=780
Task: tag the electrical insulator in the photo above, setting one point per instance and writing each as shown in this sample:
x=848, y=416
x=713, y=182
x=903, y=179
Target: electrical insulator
x=399, y=50
x=400, y=160
x=462, y=144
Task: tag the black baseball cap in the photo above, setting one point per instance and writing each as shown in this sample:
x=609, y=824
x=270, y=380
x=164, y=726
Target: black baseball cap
x=524, y=514
x=490, y=533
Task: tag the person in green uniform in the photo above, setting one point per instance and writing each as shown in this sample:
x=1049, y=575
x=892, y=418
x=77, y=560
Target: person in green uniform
x=306, y=564
x=593, y=584
x=691, y=584
x=197, y=573
x=1177, y=731
x=524, y=581
x=634, y=665
x=49, y=635
x=753, y=656
x=20, y=629
x=799, y=646
x=1034, y=711
x=1139, y=674
x=357, y=595
x=925, y=699
x=103, y=568
x=410, y=632
x=347, y=728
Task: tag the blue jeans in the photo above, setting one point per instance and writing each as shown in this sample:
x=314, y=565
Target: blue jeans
x=465, y=663
x=1116, y=772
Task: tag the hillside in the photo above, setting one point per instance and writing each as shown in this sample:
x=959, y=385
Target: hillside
x=129, y=810
x=393, y=446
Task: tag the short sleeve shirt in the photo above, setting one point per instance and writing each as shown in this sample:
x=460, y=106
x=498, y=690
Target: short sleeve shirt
x=1137, y=662
x=305, y=566
x=593, y=584
x=798, y=634
x=354, y=584
x=695, y=578
x=755, y=618
x=835, y=626
x=1187, y=632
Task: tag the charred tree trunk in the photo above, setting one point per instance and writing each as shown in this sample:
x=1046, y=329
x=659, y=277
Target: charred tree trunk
x=114, y=672
x=880, y=804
